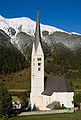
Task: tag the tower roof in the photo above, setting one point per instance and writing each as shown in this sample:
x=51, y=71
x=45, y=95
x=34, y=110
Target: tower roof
x=37, y=32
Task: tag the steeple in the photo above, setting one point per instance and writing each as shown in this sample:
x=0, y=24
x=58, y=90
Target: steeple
x=37, y=32
x=37, y=69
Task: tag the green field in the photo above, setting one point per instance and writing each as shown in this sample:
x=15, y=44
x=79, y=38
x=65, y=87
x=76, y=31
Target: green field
x=20, y=81
x=61, y=116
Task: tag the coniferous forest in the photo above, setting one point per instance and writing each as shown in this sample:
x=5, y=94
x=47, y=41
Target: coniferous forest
x=11, y=59
x=59, y=60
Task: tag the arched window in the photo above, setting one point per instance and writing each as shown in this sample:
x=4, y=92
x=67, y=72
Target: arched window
x=39, y=59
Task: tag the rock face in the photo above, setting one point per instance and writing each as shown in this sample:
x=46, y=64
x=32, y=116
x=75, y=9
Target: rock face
x=72, y=42
x=69, y=40
x=23, y=41
x=21, y=33
x=4, y=39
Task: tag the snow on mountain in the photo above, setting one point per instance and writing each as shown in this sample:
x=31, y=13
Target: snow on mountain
x=26, y=24
x=21, y=30
x=50, y=28
x=74, y=33
x=3, y=24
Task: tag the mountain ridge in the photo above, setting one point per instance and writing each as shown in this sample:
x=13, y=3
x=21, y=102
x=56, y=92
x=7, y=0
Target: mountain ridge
x=62, y=52
x=22, y=33
x=16, y=22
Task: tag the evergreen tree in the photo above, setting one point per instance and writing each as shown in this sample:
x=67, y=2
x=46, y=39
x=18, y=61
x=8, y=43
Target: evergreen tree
x=5, y=101
x=77, y=99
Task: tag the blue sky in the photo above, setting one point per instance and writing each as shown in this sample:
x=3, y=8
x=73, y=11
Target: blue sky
x=63, y=14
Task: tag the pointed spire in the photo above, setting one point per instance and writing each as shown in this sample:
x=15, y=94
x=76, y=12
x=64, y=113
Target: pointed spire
x=38, y=15
x=37, y=32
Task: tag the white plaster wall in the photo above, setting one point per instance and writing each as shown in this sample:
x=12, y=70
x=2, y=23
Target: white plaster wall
x=37, y=101
x=46, y=101
x=65, y=98
x=37, y=77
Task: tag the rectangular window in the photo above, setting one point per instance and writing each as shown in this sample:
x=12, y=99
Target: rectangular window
x=39, y=69
x=39, y=59
x=39, y=64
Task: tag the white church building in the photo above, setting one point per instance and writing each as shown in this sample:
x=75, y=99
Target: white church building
x=44, y=91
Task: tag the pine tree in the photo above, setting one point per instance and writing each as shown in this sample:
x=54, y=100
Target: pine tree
x=5, y=101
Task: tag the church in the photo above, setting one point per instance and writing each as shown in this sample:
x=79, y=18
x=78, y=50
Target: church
x=44, y=91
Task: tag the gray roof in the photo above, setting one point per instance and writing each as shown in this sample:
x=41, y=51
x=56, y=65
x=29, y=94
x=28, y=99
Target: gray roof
x=37, y=32
x=56, y=84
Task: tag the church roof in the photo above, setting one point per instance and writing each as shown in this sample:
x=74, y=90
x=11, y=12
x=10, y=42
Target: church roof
x=37, y=32
x=56, y=84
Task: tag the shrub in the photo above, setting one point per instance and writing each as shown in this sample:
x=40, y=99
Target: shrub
x=56, y=105
x=45, y=33
x=77, y=98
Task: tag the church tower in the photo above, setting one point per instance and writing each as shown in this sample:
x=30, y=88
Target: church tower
x=37, y=69
x=56, y=88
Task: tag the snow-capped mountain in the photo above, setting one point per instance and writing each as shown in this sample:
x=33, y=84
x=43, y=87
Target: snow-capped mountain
x=74, y=33
x=22, y=33
x=25, y=24
x=13, y=27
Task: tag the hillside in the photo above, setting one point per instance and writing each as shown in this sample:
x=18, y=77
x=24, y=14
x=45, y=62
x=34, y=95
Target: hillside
x=11, y=59
x=17, y=80
x=59, y=61
x=71, y=41
x=62, y=52
x=22, y=33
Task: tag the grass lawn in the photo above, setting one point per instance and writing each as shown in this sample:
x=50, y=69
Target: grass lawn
x=61, y=116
